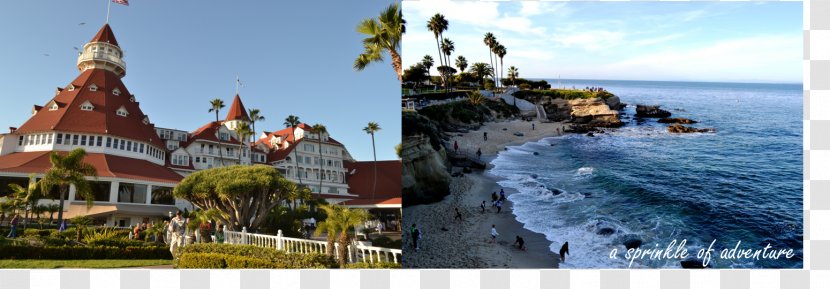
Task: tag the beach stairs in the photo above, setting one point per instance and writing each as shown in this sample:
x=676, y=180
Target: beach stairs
x=541, y=115
x=463, y=158
x=525, y=107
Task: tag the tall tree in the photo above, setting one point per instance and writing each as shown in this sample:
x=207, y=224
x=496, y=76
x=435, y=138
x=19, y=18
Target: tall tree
x=500, y=51
x=293, y=121
x=371, y=129
x=461, y=63
x=330, y=228
x=512, y=73
x=481, y=70
x=216, y=105
x=243, y=132
x=438, y=24
x=256, y=116
x=447, y=47
x=244, y=194
x=343, y=220
x=490, y=41
x=26, y=198
x=428, y=62
x=69, y=170
x=320, y=130
x=383, y=34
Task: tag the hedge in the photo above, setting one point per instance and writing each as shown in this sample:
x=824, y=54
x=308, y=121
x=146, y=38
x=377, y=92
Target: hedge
x=248, y=256
x=83, y=253
x=380, y=265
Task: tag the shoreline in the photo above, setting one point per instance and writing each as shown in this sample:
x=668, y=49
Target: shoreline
x=440, y=246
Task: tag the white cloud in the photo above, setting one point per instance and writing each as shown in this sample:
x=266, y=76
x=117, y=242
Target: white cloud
x=591, y=40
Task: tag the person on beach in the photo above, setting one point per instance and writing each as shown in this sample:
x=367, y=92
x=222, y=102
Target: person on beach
x=501, y=195
x=498, y=206
x=485, y=135
x=520, y=243
x=416, y=235
x=563, y=251
x=533, y=126
x=482, y=205
x=455, y=146
x=494, y=198
x=493, y=234
x=458, y=215
x=478, y=153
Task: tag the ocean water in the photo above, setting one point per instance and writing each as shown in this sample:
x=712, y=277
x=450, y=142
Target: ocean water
x=742, y=183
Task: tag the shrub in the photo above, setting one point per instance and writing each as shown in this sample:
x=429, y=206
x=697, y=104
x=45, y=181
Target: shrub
x=385, y=242
x=202, y=260
x=37, y=233
x=255, y=256
x=380, y=265
x=83, y=253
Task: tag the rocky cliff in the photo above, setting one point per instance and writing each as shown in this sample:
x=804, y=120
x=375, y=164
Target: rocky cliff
x=425, y=175
x=594, y=112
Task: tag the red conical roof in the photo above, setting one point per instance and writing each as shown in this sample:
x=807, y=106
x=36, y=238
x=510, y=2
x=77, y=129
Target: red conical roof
x=237, y=111
x=105, y=35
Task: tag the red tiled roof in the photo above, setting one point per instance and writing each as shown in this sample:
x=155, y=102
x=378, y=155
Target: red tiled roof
x=105, y=35
x=106, y=166
x=208, y=132
x=237, y=111
x=373, y=202
x=102, y=119
x=388, y=179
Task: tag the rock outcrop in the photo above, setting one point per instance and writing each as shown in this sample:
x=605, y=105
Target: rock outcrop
x=651, y=111
x=676, y=128
x=676, y=120
x=593, y=112
x=425, y=176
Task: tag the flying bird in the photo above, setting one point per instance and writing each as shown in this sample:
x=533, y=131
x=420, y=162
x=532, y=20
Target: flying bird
x=82, y=23
x=45, y=54
x=76, y=48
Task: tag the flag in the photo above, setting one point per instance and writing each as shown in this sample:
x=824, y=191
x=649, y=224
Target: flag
x=239, y=82
x=122, y=2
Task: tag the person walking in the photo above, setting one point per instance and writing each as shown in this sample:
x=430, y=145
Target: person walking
x=533, y=126
x=416, y=235
x=177, y=228
x=458, y=215
x=493, y=234
x=564, y=251
x=520, y=243
x=494, y=198
x=13, y=223
x=501, y=195
x=62, y=227
x=482, y=205
x=485, y=135
x=498, y=206
x=478, y=153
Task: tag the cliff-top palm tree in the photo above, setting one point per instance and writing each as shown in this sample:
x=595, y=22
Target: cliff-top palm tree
x=500, y=51
x=481, y=70
x=243, y=132
x=512, y=73
x=384, y=34
x=428, y=62
x=495, y=63
x=216, y=105
x=371, y=129
x=255, y=116
x=489, y=41
x=320, y=130
x=438, y=24
x=447, y=47
x=293, y=121
x=461, y=63
x=69, y=170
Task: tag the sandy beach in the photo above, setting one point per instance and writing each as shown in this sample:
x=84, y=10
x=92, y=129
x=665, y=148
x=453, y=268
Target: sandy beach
x=451, y=243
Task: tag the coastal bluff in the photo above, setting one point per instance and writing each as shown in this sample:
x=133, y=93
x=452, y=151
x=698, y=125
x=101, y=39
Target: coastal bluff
x=594, y=112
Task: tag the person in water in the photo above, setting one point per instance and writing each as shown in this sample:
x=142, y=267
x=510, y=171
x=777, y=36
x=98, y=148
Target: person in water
x=563, y=251
x=520, y=243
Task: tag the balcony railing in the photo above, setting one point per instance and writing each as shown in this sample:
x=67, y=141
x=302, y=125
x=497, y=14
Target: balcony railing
x=102, y=56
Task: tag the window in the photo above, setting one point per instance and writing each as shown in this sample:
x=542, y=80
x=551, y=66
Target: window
x=198, y=160
x=109, y=142
x=93, y=87
x=223, y=136
x=98, y=143
x=121, y=146
x=100, y=191
x=141, y=149
x=162, y=196
x=39, y=139
x=129, y=145
x=146, y=120
x=71, y=87
x=202, y=149
x=132, y=193
x=83, y=140
x=308, y=160
x=121, y=111
x=116, y=91
x=210, y=149
x=49, y=138
x=20, y=140
x=74, y=139
x=135, y=147
x=132, y=98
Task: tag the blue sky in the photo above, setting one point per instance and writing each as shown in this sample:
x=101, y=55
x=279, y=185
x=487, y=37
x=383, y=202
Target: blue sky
x=686, y=41
x=294, y=57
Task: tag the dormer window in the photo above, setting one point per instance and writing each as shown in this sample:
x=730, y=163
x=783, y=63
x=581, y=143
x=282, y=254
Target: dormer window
x=71, y=87
x=116, y=92
x=93, y=87
x=53, y=106
x=146, y=120
x=132, y=98
x=122, y=112
x=87, y=106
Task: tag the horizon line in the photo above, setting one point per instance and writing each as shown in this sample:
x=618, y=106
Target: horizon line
x=698, y=81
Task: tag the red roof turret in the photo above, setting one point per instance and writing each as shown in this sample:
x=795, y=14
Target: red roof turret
x=105, y=35
x=237, y=111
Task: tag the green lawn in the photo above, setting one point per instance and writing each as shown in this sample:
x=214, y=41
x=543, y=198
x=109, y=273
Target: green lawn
x=52, y=264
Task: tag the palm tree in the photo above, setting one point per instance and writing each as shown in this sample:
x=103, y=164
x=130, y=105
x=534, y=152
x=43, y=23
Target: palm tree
x=512, y=73
x=501, y=51
x=461, y=63
x=371, y=129
x=69, y=170
x=489, y=41
x=244, y=132
x=329, y=228
x=475, y=97
x=80, y=222
x=343, y=219
x=293, y=121
x=255, y=116
x=320, y=130
x=447, y=47
x=157, y=229
x=200, y=217
x=27, y=197
x=384, y=34
x=428, y=62
x=495, y=63
x=215, y=106
x=481, y=70
x=52, y=209
x=438, y=24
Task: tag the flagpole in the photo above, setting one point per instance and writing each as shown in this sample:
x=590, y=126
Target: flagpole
x=109, y=3
x=237, y=84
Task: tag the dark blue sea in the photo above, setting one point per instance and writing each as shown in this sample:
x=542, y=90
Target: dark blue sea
x=742, y=183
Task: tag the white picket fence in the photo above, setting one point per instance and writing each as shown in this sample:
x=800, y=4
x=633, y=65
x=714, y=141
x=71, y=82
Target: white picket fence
x=356, y=252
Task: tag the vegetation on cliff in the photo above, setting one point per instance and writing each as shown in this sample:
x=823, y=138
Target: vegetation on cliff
x=536, y=96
